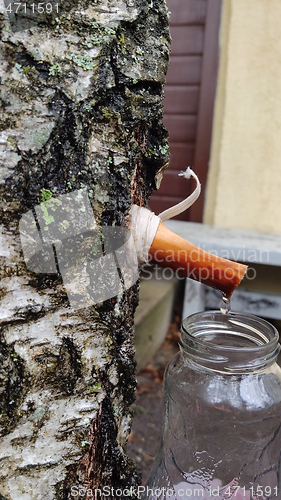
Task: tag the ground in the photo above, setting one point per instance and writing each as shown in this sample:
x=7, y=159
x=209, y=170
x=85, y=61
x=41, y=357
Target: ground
x=145, y=437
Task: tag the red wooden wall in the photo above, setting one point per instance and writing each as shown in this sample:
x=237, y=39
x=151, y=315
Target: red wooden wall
x=189, y=99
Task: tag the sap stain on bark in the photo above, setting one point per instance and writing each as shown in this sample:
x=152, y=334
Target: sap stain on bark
x=13, y=384
x=102, y=464
x=60, y=371
x=68, y=366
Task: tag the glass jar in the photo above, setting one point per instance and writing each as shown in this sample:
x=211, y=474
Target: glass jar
x=222, y=423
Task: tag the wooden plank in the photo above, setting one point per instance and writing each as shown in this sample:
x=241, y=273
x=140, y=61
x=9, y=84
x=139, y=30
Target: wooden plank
x=182, y=128
x=181, y=99
x=184, y=70
x=187, y=11
x=187, y=40
x=182, y=156
x=206, y=102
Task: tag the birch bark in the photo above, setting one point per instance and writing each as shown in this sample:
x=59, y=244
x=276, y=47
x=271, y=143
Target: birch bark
x=80, y=109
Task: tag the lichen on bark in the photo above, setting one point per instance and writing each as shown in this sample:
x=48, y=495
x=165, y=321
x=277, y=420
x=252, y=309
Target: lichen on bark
x=81, y=107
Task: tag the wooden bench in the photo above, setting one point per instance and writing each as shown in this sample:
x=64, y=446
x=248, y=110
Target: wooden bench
x=260, y=293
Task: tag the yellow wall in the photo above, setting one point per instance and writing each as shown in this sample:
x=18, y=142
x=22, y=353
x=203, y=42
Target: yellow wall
x=244, y=183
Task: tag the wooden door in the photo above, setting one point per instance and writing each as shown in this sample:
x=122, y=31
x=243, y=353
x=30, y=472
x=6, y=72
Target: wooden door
x=189, y=99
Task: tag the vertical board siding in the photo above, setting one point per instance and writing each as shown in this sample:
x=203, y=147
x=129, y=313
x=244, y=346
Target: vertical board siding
x=179, y=153
x=208, y=86
x=182, y=128
x=181, y=100
x=184, y=70
x=187, y=39
x=184, y=12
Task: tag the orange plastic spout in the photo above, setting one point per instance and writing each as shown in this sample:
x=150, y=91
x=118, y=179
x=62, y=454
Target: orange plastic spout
x=170, y=250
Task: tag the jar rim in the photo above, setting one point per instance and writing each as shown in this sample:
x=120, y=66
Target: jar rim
x=235, y=340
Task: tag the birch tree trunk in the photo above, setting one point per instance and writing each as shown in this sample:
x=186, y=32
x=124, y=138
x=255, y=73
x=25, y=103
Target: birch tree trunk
x=80, y=110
